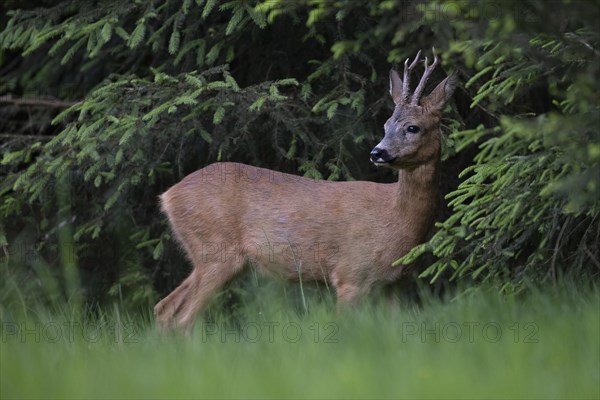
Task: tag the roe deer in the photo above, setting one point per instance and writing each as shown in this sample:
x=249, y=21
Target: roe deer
x=227, y=215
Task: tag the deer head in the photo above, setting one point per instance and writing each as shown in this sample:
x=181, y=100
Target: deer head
x=412, y=132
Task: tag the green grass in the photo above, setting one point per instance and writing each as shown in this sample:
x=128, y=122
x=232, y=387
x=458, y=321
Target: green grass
x=540, y=345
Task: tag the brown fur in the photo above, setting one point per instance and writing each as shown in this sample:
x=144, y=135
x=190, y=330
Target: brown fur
x=227, y=215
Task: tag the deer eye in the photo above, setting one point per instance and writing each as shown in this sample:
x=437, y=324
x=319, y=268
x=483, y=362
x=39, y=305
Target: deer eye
x=413, y=129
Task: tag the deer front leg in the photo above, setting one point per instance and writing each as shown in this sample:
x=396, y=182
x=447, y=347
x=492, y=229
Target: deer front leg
x=348, y=292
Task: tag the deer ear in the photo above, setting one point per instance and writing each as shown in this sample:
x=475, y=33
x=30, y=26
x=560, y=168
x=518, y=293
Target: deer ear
x=395, y=86
x=438, y=98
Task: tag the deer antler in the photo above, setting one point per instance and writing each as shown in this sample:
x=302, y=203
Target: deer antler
x=428, y=70
x=406, y=80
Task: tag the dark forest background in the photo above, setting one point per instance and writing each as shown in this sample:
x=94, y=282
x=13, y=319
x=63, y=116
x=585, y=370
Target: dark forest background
x=105, y=104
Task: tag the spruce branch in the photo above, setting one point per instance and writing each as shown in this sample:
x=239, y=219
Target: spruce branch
x=47, y=102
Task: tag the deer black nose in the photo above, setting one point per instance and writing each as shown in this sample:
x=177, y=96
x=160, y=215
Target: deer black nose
x=379, y=155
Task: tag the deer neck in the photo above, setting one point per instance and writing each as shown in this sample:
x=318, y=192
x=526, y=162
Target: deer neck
x=416, y=197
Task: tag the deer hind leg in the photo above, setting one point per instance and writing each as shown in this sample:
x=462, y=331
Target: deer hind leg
x=166, y=309
x=180, y=308
x=214, y=277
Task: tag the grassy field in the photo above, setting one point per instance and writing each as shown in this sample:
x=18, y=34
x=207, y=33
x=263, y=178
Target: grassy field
x=480, y=345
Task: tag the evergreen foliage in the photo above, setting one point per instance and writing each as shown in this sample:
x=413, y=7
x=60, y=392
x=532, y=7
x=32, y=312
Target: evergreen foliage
x=528, y=206
x=159, y=89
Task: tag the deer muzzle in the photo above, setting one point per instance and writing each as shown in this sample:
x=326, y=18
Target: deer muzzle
x=381, y=156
